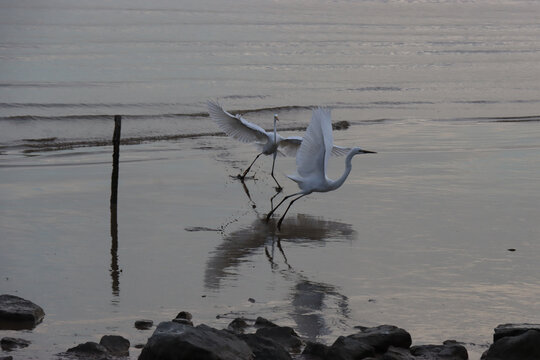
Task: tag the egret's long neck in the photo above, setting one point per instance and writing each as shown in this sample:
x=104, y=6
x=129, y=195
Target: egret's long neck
x=348, y=166
x=275, y=130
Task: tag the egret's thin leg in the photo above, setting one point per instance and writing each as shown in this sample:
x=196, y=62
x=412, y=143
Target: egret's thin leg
x=249, y=167
x=288, y=207
x=272, y=200
x=278, y=205
x=283, y=253
x=279, y=188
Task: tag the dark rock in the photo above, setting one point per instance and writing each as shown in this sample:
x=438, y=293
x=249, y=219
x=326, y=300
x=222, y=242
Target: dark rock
x=265, y=348
x=184, y=317
x=144, y=324
x=341, y=125
x=238, y=326
x=172, y=340
x=347, y=348
x=525, y=346
x=383, y=336
x=9, y=343
x=283, y=335
x=183, y=321
x=261, y=322
x=6, y=357
x=115, y=345
x=397, y=353
x=89, y=350
x=450, y=350
x=315, y=350
x=513, y=330
x=17, y=313
x=251, y=300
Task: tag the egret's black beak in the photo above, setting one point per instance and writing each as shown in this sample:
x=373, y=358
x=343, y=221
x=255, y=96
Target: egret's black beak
x=368, y=152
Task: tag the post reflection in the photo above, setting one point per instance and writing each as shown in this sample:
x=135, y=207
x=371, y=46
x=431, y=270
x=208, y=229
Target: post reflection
x=115, y=269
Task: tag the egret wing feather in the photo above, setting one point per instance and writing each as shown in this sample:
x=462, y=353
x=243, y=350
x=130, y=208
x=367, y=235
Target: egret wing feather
x=340, y=150
x=325, y=121
x=290, y=145
x=236, y=126
x=310, y=159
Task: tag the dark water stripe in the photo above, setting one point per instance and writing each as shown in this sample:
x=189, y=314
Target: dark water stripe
x=54, y=144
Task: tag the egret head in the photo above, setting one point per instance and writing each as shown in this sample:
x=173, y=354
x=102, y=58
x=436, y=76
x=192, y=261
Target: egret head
x=276, y=117
x=358, y=150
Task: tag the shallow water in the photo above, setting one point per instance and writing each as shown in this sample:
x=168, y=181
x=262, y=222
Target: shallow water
x=446, y=93
x=417, y=237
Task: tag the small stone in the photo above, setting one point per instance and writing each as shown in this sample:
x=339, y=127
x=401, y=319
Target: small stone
x=238, y=326
x=261, y=322
x=144, y=324
x=184, y=315
x=116, y=345
x=89, y=348
x=251, y=300
x=10, y=344
x=341, y=125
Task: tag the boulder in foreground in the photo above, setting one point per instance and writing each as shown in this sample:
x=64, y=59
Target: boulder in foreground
x=172, y=340
x=18, y=314
x=524, y=346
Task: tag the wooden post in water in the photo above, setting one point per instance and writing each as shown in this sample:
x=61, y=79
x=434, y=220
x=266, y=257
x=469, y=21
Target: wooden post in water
x=115, y=270
x=116, y=158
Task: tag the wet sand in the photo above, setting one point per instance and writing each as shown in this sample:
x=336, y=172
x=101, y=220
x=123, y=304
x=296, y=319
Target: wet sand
x=417, y=237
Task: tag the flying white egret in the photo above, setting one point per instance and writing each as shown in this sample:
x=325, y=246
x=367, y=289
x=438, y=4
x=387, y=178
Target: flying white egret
x=269, y=142
x=312, y=160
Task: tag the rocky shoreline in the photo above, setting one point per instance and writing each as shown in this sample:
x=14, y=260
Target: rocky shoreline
x=261, y=339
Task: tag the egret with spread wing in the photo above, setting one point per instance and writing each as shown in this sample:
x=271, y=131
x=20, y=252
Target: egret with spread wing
x=269, y=142
x=312, y=160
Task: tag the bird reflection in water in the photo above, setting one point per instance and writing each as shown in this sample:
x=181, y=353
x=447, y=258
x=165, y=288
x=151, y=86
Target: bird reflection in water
x=312, y=303
x=315, y=307
x=239, y=245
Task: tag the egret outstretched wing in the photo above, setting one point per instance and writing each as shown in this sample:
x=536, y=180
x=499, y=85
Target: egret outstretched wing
x=236, y=126
x=290, y=145
x=315, y=149
x=340, y=150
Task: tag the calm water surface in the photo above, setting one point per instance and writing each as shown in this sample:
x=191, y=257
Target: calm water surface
x=446, y=92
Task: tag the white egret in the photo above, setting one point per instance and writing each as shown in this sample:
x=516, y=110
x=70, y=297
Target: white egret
x=269, y=142
x=312, y=160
